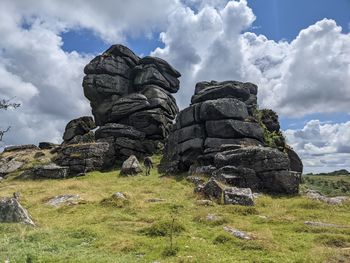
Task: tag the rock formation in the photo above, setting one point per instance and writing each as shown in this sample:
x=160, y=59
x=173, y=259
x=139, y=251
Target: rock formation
x=131, y=100
x=132, y=104
x=223, y=133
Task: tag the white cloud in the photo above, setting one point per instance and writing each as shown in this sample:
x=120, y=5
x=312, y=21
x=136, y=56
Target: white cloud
x=311, y=74
x=109, y=19
x=322, y=146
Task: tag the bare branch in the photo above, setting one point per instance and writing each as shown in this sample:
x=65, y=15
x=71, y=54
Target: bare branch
x=2, y=133
x=6, y=104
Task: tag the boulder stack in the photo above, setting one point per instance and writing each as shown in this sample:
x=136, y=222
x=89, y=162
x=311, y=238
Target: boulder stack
x=79, y=131
x=131, y=100
x=223, y=128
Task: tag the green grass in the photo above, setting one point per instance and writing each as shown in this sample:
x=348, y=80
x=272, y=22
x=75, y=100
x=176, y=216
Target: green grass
x=138, y=231
x=332, y=185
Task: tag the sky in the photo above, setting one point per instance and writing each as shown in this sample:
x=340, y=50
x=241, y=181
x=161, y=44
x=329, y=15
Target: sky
x=296, y=51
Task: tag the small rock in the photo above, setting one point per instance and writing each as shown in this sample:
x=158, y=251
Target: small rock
x=213, y=189
x=131, y=166
x=201, y=170
x=65, y=199
x=1, y=178
x=337, y=200
x=238, y=196
x=199, y=188
x=320, y=224
x=117, y=199
x=119, y=195
x=11, y=211
x=47, y=145
x=237, y=233
x=205, y=202
x=212, y=217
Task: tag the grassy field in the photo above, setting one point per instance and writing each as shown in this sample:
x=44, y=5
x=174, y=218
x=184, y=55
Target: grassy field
x=138, y=231
x=332, y=185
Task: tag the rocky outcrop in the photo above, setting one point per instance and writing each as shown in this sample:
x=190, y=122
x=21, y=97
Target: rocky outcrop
x=79, y=131
x=83, y=158
x=11, y=211
x=131, y=100
x=50, y=171
x=222, y=128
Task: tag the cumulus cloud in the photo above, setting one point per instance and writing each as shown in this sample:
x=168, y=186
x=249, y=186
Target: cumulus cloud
x=111, y=20
x=308, y=75
x=322, y=146
x=36, y=72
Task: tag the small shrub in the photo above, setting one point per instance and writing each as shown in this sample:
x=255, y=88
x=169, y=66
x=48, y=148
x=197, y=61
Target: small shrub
x=333, y=240
x=162, y=229
x=170, y=252
x=222, y=239
x=244, y=210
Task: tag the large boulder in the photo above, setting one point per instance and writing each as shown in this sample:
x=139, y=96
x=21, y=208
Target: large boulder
x=78, y=127
x=11, y=211
x=83, y=158
x=296, y=164
x=50, y=171
x=131, y=101
x=131, y=166
x=223, y=128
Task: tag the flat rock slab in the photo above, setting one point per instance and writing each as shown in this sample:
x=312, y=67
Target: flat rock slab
x=337, y=200
x=51, y=171
x=11, y=211
x=237, y=233
x=66, y=199
x=21, y=148
x=238, y=196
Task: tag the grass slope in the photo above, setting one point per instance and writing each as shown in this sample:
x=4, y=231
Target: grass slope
x=332, y=185
x=138, y=231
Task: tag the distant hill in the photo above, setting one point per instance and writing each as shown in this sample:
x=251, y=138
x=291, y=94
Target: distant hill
x=334, y=173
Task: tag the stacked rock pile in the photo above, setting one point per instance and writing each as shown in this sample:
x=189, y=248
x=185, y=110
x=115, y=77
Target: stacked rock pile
x=220, y=134
x=131, y=100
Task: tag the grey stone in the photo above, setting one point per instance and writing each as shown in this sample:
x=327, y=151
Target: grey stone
x=214, y=189
x=47, y=145
x=219, y=142
x=108, y=64
x=238, y=196
x=127, y=105
x=15, y=148
x=234, y=129
x=131, y=166
x=260, y=159
x=296, y=164
x=161, y=64
x=226, y=108
x=201, y=170
x=280, y=182
x=237, y=233
x=11, y=211
x=221, y=90
x=122, y=51
x=238, y=176
x=83, y=158
x=118, y=130
x=79, y=126
x=50, y=171
x=204, y=202
x=190, y=132
x=9, y=166
x=337, y=200
x=65, y=199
